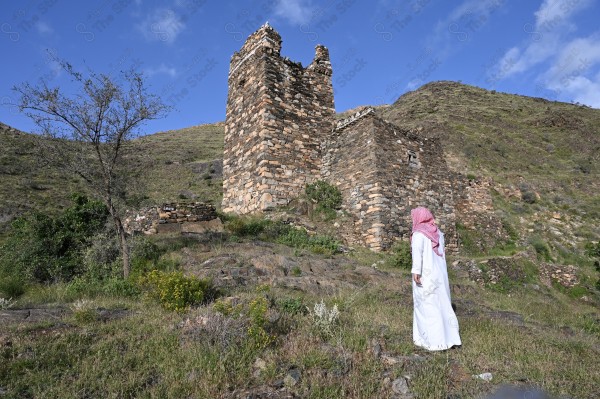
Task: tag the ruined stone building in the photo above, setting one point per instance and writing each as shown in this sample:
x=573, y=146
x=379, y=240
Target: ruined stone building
x=281, y=134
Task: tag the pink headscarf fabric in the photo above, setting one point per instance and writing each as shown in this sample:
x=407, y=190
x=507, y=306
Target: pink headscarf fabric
x=423, y=222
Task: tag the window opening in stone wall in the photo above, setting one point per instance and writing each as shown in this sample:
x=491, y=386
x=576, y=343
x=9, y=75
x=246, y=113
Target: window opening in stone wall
x=242, y=83
x=412, y=159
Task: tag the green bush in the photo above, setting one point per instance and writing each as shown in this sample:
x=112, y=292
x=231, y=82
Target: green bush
x=326, y=196
x=12, y=286
x=176, y=291
x=246, y=226
x=541, y=248
x=48, y=248
x=592, y=250
x=528, y=197
x=319, y=244
x=293, y=306
x=86, y=286
x=401, y=255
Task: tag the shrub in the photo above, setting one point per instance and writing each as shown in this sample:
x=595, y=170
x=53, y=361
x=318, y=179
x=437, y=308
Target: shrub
x=541, y=248
x=528, y=197
x=299, y=238
x=257, y=313
x=6, y=303
x=176, y=291
x=592, y=250
x=45, y=248
x=326, y=196
x=12, y=286
x=83, y=312
x=325, y=320
x=400, y=255
x=246, y=226
x=292, y=306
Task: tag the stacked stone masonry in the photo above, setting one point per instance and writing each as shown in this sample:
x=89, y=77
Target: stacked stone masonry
x=169, y=217
x=277, y=112
x=281, y=134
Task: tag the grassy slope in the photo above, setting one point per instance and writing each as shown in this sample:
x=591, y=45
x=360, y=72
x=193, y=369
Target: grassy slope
x=552, y=146
x=556, y=348
x=548, y=148
x=151, y=352
x=170, y=158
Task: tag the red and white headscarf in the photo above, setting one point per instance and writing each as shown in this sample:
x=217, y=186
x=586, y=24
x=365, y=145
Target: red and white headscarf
x=423, y=222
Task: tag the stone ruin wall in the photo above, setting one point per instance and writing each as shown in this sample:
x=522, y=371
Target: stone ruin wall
x=280, y=136
x=196, y=217
x=397, y=171
x=277, y=113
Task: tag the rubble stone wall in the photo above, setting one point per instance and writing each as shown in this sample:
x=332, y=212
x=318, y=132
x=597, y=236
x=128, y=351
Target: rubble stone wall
x=168, y=217
x=277, y=114
x=397, y=172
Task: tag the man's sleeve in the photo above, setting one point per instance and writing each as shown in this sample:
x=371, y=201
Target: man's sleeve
x=417, y=253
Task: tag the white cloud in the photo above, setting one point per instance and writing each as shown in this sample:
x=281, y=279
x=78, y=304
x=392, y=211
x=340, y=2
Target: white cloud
x=565, y=65
x=296, y=12
x=462, y=24
x=43, y=28
x=575, y=71
x=546, y=35
x=554, y=13
x=161, y=69
x=163, y=24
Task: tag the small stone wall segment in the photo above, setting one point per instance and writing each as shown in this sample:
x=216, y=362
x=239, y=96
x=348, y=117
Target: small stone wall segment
x=168, y=217
x=277, y=115
x=383, y=172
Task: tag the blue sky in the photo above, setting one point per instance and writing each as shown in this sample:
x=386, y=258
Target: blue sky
x=379, y=49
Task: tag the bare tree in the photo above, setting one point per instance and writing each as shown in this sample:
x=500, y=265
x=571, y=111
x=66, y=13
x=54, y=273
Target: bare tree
x=88, y=131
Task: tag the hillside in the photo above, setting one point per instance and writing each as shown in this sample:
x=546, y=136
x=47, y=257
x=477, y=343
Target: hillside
x=542, y=156
x=527, y=310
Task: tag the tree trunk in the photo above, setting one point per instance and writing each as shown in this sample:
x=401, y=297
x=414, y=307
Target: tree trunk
x=122, y=237
x=124, y=246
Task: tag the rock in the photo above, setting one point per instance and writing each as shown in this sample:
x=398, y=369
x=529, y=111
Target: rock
x=260, y=364
x=292, y=378
x=212, y=226
x=273, y=316
x=484, y=376
x=400, y=386
x=518, y=392
x=389, y=360
x=376, y=349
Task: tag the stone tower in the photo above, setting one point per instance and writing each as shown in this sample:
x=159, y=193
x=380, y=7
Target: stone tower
x=278, y=112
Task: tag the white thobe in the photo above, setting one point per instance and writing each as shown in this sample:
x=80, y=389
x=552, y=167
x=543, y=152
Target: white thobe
x=435, y=326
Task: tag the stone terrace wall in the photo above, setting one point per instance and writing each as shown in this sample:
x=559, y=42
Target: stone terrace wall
x=384, y=172
x=168, y=217
x=277, y=114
